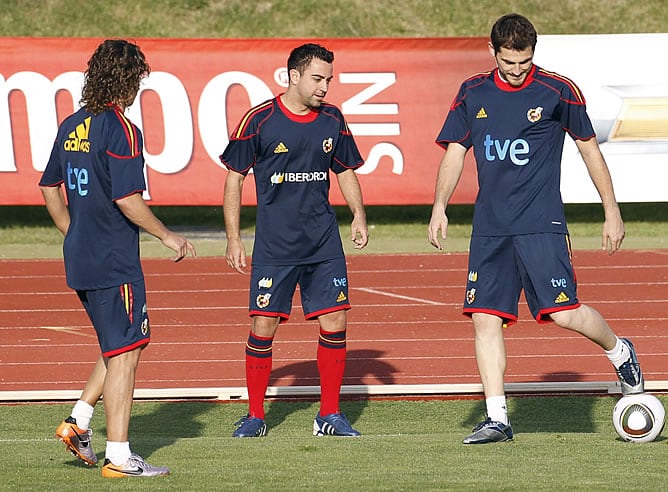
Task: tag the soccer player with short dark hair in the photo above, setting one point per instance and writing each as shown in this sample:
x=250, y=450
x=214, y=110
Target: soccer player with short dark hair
x=294, y=143
x=515, y=119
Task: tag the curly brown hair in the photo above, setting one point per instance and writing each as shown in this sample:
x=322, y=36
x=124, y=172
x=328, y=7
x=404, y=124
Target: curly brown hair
x=113, y=76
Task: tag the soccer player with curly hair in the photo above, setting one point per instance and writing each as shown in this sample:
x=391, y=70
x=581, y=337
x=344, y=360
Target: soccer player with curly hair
x=97, y=158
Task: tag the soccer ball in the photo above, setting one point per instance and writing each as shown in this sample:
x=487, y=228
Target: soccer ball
x=639, y=418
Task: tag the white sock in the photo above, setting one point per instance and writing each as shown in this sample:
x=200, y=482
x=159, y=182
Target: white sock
x=118, y=452
x=496, y=409
x=82, y=413
x=619, y=354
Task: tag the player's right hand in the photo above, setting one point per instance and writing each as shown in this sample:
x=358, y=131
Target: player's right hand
x=437, y=223
x=180, y=245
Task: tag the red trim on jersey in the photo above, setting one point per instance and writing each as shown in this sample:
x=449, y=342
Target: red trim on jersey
x=130, y=131
x=505, y=86
x=243, y=124
x=297, y=118
x=116, y=156
x=53, y=185
x=357, y=165
x=482, y=76
x=444, y=143
x=129, y=194
x=574, y=88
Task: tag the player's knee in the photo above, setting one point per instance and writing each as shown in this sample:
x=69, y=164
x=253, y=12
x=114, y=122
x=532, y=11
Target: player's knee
x=575, y=319
x=333, y=322
x=125, y=360
x=565, y=319
x=265, y=326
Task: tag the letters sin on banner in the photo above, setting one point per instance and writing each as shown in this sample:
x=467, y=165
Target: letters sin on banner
x=394, y=93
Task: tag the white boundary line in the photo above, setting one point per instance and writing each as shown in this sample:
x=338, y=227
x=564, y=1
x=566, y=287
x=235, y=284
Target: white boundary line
x=398, y=296
x=240, y=393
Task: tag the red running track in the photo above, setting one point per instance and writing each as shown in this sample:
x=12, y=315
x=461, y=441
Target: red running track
x=405, y=327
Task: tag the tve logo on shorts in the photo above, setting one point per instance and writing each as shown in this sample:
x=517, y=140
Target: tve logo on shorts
x=514, y=149
x=340, y=282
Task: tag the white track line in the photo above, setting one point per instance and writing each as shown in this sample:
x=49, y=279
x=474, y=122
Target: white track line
x=416, y=302
x=69, y=330
x=351, y=271
x=240, y=393
x=397, y=296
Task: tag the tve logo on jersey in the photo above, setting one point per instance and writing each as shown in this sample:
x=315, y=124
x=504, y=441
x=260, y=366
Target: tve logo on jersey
x=77, y=179
x=78, y=139
x=514, y=149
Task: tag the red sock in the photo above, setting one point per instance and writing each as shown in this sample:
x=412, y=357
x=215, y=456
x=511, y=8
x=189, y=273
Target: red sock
x=331, y=365
x=258, y=370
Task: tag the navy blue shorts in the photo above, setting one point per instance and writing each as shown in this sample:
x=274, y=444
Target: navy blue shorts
x=323, y=288
x=501, y=266
x=119, y=317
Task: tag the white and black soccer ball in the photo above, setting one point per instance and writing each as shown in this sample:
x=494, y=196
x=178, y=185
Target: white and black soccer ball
x=639, y=418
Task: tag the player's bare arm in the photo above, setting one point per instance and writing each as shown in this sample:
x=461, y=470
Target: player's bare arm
x=137, y=211
x=235, y=251
x=55, y=205
x=352, y=193
x=449, y=173
x=613, y=226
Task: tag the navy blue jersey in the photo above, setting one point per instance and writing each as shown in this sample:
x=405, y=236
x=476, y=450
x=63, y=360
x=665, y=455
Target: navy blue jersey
x=99, y=160
x=291, y=156
x=517, y=135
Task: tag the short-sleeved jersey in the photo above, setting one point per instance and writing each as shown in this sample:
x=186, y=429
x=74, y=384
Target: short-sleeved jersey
x=517, y=135
x=98, y=159
x=291, y=156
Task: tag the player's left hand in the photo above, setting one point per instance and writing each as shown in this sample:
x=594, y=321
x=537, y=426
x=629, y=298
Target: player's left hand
x=359, y=233
x=235, y=252
x=613, y=234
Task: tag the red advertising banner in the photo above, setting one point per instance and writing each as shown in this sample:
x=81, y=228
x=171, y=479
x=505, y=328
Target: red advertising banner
x=395, y=94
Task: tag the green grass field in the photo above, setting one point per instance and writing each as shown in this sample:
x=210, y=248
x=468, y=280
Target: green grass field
x=561, y=443
x=27, y=232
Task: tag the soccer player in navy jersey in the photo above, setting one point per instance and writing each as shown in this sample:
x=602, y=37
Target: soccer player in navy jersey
x=515, y=118
x=292, y=142
x=97, y=158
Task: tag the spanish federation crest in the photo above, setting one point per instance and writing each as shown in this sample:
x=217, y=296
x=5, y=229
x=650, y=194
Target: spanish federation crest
x=262, y=300
x=327, y=145
x=535, y=114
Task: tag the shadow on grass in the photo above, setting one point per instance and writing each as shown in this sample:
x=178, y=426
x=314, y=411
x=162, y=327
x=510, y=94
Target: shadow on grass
x=164, y=425
x=360, y=365
x=152, y=430
x=550, y=414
